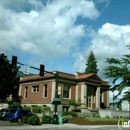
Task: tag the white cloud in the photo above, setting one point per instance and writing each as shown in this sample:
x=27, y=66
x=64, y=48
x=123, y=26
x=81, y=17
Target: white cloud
x=46, y=33
x=108, y=42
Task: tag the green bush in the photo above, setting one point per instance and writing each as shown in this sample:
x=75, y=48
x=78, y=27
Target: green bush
x=34, y=120
x=81, y=115
x=25, y=119
x=66, y=118
x=46, y=119
x=46, y=108
x=107, y=116
x=37, y=109
x=66, y=113
x=28, y=108
x=15, y=105
x=96, y=115
x=87, y=115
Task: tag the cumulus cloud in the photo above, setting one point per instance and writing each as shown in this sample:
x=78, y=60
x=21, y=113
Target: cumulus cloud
x=108, y=42
x=43, y=30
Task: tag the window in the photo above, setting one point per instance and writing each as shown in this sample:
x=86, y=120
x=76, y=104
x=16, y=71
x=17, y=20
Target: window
x=45, y=90
x=66, y=91
x=35, y=89
x=26, y=92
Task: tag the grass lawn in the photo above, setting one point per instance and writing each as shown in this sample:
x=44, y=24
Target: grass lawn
x=103, y=119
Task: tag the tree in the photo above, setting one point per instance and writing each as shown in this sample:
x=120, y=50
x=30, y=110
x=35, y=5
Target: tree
x=91, y=65
x=8, y=78
x=119, y=70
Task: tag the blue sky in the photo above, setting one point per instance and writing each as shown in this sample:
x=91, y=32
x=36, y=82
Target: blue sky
x=61, y=33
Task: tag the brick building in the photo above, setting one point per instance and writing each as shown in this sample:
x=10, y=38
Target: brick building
x=38, y=90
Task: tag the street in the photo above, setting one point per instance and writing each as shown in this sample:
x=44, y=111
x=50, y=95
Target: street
x=6, y=125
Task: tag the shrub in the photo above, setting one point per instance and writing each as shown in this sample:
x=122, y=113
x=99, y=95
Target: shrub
x=34, y=120
x=37, y=109
x=28, y=108
x=15, y=105
x=107, y=116
x=46, y=119
x=87, y=115
x=66, y=118
x=81, y=115
x=117, y=117
x=66, y=113
x=96, y=115
x=25, y=119
x=46, y=108
x=114, y=116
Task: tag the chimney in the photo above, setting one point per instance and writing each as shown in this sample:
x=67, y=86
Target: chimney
x=76, y=74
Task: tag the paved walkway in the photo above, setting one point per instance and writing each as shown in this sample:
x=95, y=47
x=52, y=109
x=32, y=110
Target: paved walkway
x=64, y=126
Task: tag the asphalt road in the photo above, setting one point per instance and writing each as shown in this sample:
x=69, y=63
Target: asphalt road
x=8, y=123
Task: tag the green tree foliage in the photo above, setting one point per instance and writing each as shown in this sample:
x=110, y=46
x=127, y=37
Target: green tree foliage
x=91, y=65
x=8, y=78
x=75, y=104
x=119, y=69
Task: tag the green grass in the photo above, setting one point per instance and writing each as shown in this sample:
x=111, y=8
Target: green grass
x=102, y=119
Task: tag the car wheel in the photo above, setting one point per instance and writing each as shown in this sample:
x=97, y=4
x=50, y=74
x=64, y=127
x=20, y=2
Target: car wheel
x=19, y=120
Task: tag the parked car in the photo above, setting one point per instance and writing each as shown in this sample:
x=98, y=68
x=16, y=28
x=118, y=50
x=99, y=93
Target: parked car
x=4, y=115
x=18, y=114
x=1, y=112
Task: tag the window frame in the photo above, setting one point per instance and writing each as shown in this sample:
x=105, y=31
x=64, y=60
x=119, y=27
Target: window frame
x=37, y=89
x=45, y=91
x=69, y=92
x=26, y=92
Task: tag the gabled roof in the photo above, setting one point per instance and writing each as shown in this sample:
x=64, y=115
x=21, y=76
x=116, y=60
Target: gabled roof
x=78, y=77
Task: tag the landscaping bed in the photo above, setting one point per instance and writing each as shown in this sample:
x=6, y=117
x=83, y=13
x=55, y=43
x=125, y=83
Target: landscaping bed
x=84, y=121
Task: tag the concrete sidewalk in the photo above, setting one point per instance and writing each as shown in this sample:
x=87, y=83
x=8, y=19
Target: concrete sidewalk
x=64, y=126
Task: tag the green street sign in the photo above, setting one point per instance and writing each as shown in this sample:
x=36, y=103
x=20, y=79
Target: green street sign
x=57, y=99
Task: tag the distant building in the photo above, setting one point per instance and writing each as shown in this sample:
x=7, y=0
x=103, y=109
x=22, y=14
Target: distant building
x=40, y=90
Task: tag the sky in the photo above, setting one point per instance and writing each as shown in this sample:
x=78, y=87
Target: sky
x=61, y=33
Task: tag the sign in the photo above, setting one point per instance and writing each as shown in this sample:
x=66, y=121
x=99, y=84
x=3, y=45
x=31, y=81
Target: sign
x=26, y=69
x=57, y=99
x=123, y=124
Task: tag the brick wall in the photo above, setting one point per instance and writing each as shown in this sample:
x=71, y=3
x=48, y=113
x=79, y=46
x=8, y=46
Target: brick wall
x=36, y=97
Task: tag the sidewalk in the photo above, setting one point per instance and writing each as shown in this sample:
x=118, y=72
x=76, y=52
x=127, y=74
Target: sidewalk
x=65, y=126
